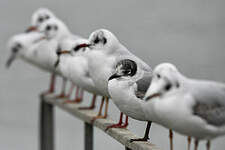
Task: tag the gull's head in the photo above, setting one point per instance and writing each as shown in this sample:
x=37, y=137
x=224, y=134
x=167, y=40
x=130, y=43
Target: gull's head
x=19, y=44
x=124, y=69
x=54, y=28
x=103, y=39
x=164, y=80
x=50, y=28
x=40, y=16
x=74, y=48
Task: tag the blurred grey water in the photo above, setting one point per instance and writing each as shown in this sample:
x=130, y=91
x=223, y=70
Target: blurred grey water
x=189, y=34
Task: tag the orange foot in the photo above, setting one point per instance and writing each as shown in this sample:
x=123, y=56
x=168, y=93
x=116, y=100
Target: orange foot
x=118, y=125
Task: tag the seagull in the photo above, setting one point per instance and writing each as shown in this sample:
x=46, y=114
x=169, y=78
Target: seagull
x=127, y=87
x=39, y=17
x=73, y=64
x=57, y=34
x=105, y=52
x=192, y=107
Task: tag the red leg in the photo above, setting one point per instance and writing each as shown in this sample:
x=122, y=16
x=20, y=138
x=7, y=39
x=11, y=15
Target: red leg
x=92, y=104
x=80, y=98
x=52, y=85
x=77, y=93
x=76, y=99
x=126, y=123
x=71, y=90
x=119, y=124
x=100, y=111
x=62, y=94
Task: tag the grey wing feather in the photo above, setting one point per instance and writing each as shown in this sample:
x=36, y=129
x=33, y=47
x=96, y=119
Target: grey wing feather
x=210, y=102
x=142, y=86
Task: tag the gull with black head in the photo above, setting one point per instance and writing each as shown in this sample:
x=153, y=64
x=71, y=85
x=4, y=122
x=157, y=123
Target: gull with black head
x=127, y=87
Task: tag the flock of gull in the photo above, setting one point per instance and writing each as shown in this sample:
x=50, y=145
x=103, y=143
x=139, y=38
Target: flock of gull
x=104, y=67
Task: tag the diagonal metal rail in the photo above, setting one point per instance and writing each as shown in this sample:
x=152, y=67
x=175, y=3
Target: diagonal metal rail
x=47, y=126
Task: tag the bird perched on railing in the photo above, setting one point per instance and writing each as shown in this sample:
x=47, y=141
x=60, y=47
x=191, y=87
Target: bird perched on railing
x=73, y=64
x=127, y=87
x=195, y=108
x=105, y=52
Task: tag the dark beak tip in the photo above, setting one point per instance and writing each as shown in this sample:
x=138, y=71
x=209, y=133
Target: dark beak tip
x=58, y=53
x=113, y=77
x=110, y=78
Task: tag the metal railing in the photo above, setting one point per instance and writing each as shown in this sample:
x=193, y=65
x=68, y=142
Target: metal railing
x=47, y=104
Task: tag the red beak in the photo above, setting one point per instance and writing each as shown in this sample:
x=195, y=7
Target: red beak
x=83, y=45
x=30, y=29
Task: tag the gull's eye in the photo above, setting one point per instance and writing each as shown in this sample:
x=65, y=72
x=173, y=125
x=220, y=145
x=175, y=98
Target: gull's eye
x=96, y=41
x=158, y=76
x=168, y=87
x=48, y=28
x=127, y=72
x=40, y=19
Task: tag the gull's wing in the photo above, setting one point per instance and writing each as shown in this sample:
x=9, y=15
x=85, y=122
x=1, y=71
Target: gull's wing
x=142, y=86
x=210, y=101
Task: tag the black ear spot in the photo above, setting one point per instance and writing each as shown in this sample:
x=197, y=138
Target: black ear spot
x=104, y=40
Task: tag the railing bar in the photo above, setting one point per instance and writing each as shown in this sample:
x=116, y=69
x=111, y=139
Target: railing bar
x=121, y=135
x=88, y=137
x=46, y=126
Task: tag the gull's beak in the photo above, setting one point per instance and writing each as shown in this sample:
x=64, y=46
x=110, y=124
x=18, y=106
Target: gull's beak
x=63, y=52
x=59, y=53
x=83, y=45
x=10, y=60
x=114, y=76
x=152, y=96
x=155, y=89
x=30, y=29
